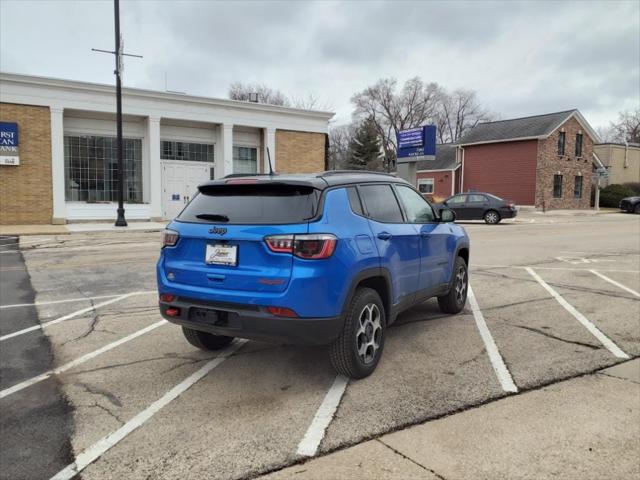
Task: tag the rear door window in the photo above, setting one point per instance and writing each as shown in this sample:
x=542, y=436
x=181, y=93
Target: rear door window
x=381, y=203
x=477, y=198
x=252, y=204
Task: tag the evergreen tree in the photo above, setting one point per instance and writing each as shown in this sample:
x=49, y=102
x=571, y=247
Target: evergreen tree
x=364, y=148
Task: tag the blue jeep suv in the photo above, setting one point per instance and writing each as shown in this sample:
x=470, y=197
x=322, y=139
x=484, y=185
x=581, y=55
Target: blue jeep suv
x=329, y=258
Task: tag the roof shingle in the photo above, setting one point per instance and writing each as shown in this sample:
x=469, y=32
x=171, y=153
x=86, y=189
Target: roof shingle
x=445, y=158
x=536, y=126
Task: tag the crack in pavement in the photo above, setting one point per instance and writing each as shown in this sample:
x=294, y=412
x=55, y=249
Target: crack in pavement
x=554, y=337
x=437, y=475
x=105, y=409
x=92, y=390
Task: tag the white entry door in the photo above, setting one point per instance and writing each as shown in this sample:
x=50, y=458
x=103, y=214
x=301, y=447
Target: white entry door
x=180, y=182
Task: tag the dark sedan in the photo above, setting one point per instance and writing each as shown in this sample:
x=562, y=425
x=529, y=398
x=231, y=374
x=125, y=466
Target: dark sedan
x=630, y=204
x=479, y=206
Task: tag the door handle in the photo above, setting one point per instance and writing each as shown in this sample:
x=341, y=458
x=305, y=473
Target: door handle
x=424, y=234
x=384, y=235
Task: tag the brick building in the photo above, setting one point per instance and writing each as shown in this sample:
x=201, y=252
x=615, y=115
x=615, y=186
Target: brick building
x=172, y=142
x=543, y=160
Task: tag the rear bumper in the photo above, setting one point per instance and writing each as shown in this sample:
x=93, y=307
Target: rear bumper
x=252, y=322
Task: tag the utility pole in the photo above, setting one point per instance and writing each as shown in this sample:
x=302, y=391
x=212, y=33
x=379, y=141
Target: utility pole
x=120, y=221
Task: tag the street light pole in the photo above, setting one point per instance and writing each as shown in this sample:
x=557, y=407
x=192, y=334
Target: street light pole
x=120, y=221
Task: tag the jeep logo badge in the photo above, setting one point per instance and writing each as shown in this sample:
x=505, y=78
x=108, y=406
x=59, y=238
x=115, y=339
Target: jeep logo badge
x=218, y=230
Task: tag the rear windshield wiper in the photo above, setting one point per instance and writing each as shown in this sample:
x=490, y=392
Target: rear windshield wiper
x=213, y=216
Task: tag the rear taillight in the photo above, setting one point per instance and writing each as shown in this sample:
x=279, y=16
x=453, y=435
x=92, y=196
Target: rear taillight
x=169, y=238
x=167, y=297
x=312, y=247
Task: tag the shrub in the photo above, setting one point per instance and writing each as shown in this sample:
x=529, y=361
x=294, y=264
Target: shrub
x=611, y=195
x=635, y=186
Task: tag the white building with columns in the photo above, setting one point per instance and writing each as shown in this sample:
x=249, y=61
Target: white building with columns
x=173, y=142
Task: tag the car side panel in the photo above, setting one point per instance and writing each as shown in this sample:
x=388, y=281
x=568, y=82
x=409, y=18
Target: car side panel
x=357, y=251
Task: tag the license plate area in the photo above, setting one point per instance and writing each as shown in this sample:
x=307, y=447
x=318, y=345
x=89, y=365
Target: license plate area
x=210, y=317
x=221, y=254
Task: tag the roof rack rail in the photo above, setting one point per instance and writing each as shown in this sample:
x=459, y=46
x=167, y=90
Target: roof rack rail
x=350, y=172
x=236, y=175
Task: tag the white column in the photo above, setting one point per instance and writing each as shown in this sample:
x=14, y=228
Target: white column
x=270, y=143
x=225, y=166
x=57, y=166
x=155, y=173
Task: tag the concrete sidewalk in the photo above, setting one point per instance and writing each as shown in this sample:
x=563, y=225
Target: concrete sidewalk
x=584, y=428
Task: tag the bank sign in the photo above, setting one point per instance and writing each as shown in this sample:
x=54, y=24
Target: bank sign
x=9, y=143
x=417, y=144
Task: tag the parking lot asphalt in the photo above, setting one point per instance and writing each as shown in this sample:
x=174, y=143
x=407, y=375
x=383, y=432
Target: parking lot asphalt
x=556, y=298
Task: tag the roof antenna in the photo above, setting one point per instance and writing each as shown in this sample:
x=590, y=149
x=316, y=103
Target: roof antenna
x=271, y=172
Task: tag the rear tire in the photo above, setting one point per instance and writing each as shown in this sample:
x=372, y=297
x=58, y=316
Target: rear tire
x=357, y=351
x=453, y=302
x=205, y=340
x=492, y=217
x=636, y=209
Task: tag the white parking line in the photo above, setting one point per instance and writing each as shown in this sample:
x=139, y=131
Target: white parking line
x=555, y=268
x=502, y=372
x=78, y=361
x=71, y=315
x=613, y=282
x=68, y=300
x=96, y=450
x=309, y=444
x=606, y=341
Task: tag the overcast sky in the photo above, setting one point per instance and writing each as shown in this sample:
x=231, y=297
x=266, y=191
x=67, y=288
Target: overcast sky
x=522, y=58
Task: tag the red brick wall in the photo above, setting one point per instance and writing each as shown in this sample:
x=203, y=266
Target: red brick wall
x=507, y=170
x=550, y=164
x=441, y=184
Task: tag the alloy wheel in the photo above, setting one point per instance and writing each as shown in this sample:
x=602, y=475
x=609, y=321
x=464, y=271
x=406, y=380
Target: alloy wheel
x=369, y=334
x=460, y=285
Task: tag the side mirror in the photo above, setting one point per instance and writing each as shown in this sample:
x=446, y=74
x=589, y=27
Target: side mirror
x=447, y=215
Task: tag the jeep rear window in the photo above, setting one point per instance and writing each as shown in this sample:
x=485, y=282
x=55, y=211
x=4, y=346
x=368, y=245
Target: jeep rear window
x=252, y=204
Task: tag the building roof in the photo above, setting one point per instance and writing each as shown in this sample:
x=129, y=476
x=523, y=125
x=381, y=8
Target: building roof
x=76, y=85
x=445, y=158
x=525, y=128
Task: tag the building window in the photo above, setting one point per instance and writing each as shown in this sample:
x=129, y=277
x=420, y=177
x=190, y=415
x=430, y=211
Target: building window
x=188, y=152
x=91, y=169
x=577, y=187
x=245, y=160
x=557, y=186
x=561, y=139
x=425, y=185
x=578, y=144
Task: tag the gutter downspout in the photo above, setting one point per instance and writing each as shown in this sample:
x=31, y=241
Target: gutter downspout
x=462, y=170
x=453, y=182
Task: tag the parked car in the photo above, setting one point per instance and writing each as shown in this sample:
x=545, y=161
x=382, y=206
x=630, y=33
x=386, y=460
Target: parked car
x=480, y=206
x=329, y=258
x=630, y=204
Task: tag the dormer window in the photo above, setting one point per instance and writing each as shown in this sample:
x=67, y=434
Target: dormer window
x=561, y=142
x=578, y=145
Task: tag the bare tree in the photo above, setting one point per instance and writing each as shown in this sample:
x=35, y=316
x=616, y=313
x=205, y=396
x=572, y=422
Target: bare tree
x=458, y=113
x=339, y=140
x=627, y=127
x=241, y=91
x=391, y=111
